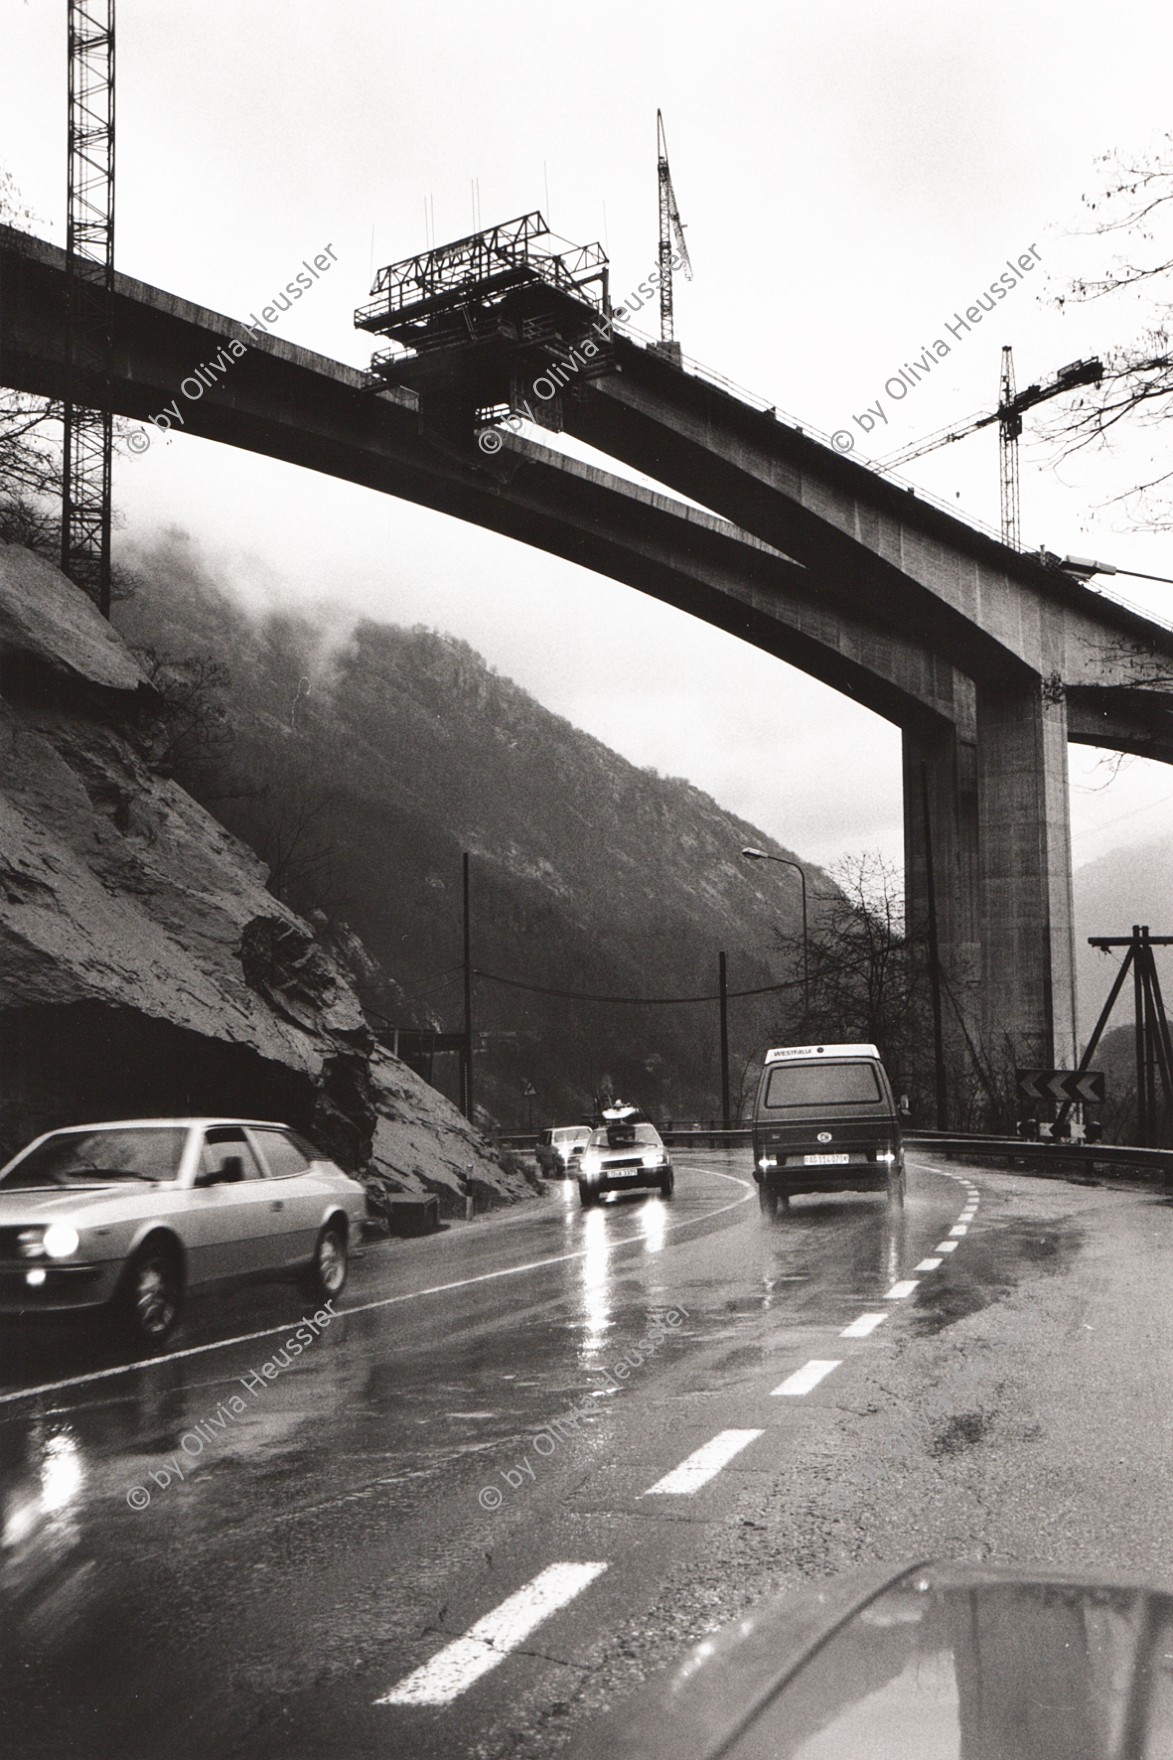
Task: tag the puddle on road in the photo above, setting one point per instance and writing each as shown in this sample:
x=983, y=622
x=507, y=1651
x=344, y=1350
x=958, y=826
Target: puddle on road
x=989, y=1266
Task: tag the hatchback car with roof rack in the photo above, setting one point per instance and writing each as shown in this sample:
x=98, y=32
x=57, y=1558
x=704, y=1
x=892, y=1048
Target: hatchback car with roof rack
x=624, y=1154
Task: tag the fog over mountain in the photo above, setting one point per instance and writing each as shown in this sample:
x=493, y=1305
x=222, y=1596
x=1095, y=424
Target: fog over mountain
x=361, y=760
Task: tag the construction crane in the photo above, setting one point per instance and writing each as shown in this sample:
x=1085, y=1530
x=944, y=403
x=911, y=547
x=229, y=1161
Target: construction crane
x=671, y=226
x=89, y=269
x=1008, y=415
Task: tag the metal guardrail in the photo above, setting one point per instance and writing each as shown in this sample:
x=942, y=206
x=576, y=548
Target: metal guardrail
x=676, y=1136
x=706, y=1136
x=1058, y=1157
x=1061, y=1158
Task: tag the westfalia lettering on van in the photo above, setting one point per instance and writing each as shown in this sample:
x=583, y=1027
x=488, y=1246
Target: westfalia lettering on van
x=825, y=1121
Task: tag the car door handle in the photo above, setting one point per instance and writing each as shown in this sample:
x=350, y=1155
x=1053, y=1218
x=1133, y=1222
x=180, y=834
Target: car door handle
x=277, y=1204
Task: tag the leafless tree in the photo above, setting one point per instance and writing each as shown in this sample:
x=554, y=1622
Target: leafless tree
x=30, y=441
x=194, y=724
x=866, y=975
x=294, y=834
x=1134, y=212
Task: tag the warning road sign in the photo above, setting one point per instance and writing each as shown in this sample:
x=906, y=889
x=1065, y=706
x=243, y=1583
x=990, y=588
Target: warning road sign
x=1062, y=1085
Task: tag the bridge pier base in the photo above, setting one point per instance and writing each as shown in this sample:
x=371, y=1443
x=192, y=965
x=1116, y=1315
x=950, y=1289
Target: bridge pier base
x=989, y=796
x=941, y=832
x=1028, y=937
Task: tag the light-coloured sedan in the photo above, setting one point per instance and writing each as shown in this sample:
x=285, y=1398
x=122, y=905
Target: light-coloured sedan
x=135, y=1213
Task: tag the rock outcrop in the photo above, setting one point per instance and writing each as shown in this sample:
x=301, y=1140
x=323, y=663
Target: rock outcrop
x=144, y=967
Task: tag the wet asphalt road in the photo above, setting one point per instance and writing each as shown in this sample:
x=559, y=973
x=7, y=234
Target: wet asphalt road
x=201, y=1560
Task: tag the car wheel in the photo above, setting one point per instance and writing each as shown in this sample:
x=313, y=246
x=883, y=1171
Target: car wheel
x=768, y=1199
x=328, y=1267
x=152, y=1292
x=585, y=1194
x=667, y=1183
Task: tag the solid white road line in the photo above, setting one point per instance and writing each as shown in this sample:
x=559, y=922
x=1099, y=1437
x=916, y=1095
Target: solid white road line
x=901, y=1291
x=704, y=1465
x=927, y=1265
x=945, y=1247
x=864, y=1326
x=807, y=1377
x=436, y=1289
x=464, y=1661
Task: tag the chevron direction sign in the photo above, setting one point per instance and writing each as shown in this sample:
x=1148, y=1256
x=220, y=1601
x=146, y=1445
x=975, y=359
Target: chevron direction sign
x=1062, y=1085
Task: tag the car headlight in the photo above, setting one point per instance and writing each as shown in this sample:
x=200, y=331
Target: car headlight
x=61, y=1240
x=592, y=1162
x=653, y=1157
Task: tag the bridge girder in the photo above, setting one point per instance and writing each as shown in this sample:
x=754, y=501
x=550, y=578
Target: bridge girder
x=870, y=597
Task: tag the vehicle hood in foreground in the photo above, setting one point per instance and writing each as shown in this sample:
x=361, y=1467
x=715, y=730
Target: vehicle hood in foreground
x=936, y=1662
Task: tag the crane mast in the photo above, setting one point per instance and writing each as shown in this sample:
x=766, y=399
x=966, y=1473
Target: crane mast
x=1008, y=415
x=671, y=227
x=1009, y=429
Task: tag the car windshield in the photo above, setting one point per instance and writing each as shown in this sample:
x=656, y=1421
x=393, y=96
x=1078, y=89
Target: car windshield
x=99, y=1157
x=807, y=1085
x=622, y=1136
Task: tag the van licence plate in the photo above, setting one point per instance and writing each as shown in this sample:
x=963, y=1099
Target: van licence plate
x=824, y=1160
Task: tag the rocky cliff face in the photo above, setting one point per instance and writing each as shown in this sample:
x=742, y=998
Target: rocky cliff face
x=144, y=967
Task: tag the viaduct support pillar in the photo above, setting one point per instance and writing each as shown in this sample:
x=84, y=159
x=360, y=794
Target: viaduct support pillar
x=1028, y=936
x=941, y=820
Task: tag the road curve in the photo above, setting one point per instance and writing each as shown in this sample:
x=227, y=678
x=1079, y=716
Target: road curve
x=535, y=1455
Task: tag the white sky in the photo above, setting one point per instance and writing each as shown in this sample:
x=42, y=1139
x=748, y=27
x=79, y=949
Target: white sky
x=850, y=174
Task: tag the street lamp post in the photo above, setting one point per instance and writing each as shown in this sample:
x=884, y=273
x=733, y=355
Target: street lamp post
x=763, y=855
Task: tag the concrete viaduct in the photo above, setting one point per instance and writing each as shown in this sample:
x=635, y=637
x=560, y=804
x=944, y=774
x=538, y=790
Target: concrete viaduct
x=988, y=660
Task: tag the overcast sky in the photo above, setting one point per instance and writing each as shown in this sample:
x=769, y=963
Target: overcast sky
x=850, y=175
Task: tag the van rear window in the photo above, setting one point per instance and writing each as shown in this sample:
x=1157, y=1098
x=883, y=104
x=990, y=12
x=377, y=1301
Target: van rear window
x=809, y=1087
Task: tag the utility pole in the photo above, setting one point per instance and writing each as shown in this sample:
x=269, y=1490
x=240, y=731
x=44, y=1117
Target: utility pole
x=89, y=333
x=723, y=987
x=1154, y=1043
x=468, y=1082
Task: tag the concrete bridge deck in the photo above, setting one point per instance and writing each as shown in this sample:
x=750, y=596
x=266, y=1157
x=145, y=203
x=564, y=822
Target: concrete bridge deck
x=989, y=661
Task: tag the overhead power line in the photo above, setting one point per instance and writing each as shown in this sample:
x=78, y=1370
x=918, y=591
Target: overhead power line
x=634, y=1001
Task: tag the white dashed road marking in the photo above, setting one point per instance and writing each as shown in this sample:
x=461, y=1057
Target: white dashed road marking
x=927, y=1265
x=959, y=1228
x=464, y=1661
x=804, y=1379
x=704, y=1465
x=901, y=1291
x=945, y=1247
x=864, y=1326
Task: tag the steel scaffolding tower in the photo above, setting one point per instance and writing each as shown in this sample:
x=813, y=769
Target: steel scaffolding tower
x=89, y=244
